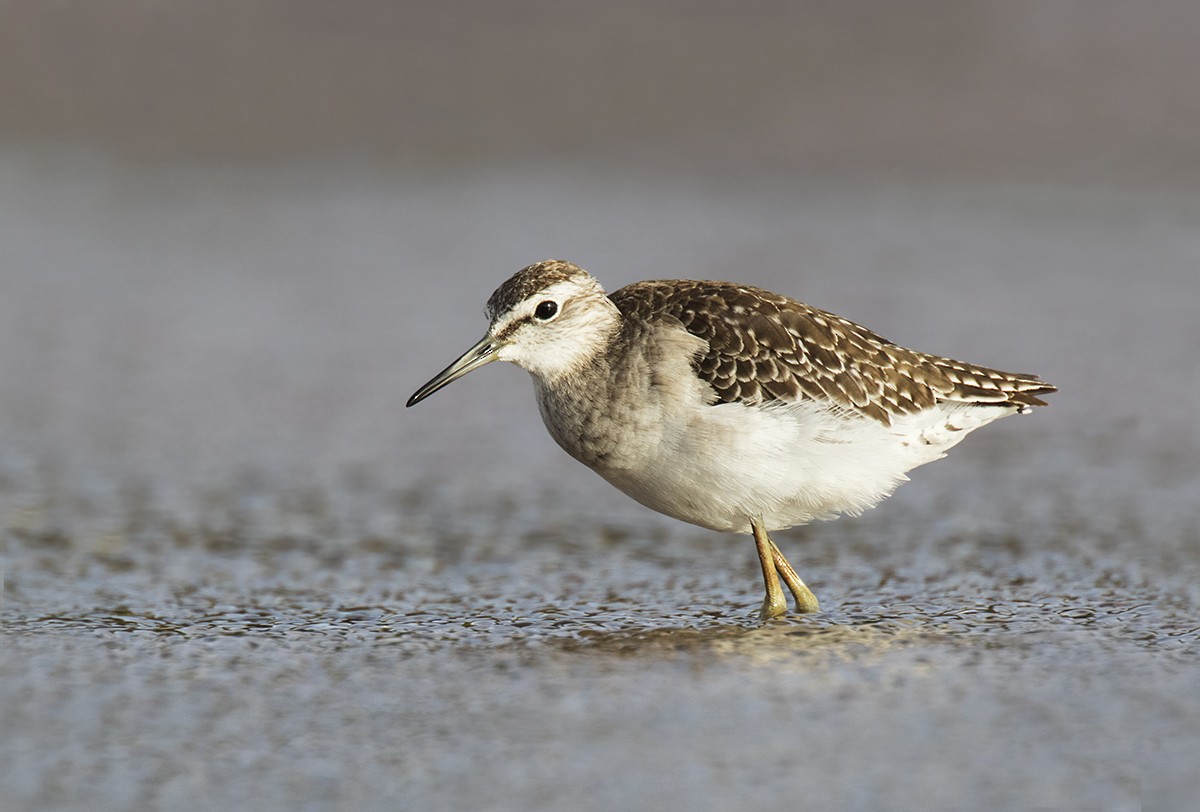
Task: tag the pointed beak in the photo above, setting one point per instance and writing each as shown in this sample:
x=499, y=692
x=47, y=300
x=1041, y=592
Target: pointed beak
x=482, y=353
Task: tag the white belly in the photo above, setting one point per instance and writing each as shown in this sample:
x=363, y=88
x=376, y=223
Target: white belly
x=787, y=463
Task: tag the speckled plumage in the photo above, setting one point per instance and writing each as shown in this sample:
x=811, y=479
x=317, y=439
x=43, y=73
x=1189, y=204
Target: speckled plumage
x=731, y=407
x=763, y=346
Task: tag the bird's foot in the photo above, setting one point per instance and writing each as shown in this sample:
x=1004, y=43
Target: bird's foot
x=773, y=606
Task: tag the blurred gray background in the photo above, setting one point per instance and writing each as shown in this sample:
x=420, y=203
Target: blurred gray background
x=235, y=235
x=1097, y=92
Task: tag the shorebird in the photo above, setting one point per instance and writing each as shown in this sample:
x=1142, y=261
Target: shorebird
x=731, y=407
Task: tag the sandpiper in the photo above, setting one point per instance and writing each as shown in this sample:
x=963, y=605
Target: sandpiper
x=731, y=407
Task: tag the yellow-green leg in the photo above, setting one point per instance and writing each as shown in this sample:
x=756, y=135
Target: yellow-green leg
x=806, y=601
x=775, y=604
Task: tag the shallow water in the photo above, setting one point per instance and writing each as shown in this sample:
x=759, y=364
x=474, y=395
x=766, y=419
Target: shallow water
x=238, y=574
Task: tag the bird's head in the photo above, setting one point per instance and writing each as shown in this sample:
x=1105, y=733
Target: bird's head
x=550, y=319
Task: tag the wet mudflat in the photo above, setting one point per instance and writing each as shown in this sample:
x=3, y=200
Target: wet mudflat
x=238, y=574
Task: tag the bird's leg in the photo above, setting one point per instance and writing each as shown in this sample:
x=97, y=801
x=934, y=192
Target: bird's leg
x=775, y=604
x=806, y=601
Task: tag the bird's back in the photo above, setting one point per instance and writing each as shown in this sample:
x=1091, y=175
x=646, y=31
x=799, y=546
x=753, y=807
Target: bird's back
x=766, y=347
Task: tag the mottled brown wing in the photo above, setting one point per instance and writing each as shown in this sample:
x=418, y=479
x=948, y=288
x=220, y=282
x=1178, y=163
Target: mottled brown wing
x=763, y=346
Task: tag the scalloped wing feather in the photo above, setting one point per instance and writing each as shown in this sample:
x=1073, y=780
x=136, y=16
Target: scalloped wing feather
x=766, y=347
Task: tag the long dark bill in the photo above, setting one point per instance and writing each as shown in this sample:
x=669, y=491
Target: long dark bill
x=479, y=355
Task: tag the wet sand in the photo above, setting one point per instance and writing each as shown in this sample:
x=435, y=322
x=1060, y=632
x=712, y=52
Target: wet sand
x=239, y=574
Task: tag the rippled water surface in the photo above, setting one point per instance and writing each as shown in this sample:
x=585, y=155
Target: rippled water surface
x=238, y=574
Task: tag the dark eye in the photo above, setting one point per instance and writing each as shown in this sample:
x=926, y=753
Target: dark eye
x=546, y=310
